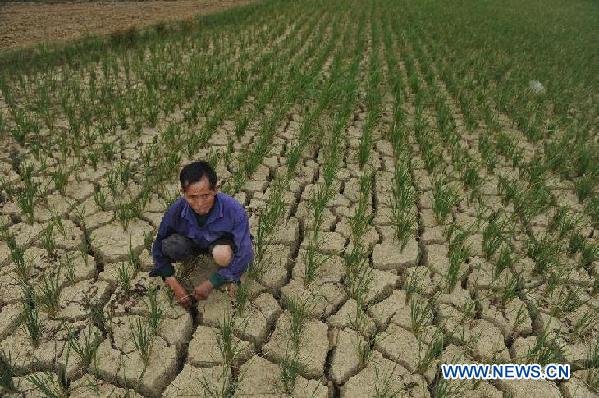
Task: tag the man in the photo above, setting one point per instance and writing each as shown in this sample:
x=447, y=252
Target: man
x=203, y=221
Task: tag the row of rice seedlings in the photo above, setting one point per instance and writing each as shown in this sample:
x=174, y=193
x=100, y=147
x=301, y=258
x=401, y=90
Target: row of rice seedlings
x=373, y=93
x=251, y=158
x=404, y=193
x=291, y=365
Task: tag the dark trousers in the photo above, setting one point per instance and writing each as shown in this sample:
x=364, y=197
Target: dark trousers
x=178, y=247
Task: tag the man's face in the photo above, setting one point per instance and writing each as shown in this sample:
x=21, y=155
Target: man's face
x=199, y=196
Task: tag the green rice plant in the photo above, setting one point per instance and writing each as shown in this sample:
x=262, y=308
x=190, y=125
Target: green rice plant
x=585, y=323
x=242, y=297
x=495, y=234
x=60, y=179
x=421, y=313
x=26, y=197
x=319, y=199
x=487, y=151
x=433, y=351
x=132, y=257
x=360, y=221
x=226, y=388
x=584, y=186
x=48, y=241
x=49, y=295
x=142, y=339
x=229, y=349
x=458, y=254
x=592, y=209
x=358, y=273
x=124, y=277
x=382, y=385
x=545, y=252
x=404, y=197
x=546, y=349
x=124, y=171
x=364, y=348
x=592, y=364
x=108, y=151
x=155, y=315
x=298, y=311
x=85, y=344
x=17, y=255
x=112, y=180
x=240, y=126
x=30, y=314
x=268, y=219
x=7, y=372
x=504, y=261
x=313, y=260
x=126, y=212
x=512, y=288
x=360, y=320
x=589, y=254
x=444, y=199
x=48, y=385
x=446, y=389
x=290, y=369
x=100, y=198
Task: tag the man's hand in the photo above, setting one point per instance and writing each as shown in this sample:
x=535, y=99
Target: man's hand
x=203, y=290
x=183, y=298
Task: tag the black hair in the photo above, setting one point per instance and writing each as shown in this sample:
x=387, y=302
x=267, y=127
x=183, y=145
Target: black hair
x=194, y=172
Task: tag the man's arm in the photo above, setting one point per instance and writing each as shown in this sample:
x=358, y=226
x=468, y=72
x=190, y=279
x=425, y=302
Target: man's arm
x=242, y=258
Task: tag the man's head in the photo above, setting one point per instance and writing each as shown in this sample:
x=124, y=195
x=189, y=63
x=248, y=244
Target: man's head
x=198, y=186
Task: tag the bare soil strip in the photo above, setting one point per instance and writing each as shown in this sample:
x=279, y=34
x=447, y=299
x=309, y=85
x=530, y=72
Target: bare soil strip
x=27, y=24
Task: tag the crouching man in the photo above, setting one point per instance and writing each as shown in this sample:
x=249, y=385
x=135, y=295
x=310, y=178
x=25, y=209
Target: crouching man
x=203, y=221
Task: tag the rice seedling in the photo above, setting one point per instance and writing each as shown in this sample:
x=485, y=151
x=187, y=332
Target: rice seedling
x=458, y=253
x=60, y=178
x=290, y=368
x=495, y=234
x=85, y=344
x=30, y=315
x=48, y=385
x=298, y=311
x=26, y=197
x=444, y=199
x=358, y=274
x=124, y=277
x=433, y=351
x=313, y=260
x=364, y=348
x=545, y=252
x=49, y=296
x=48, y=241
x=142, y=339
x=7, y=372
x=421, y=314
x=404, y=196
x=547, y=349
x=155, y=311
x=383, y=387
x=511, y=288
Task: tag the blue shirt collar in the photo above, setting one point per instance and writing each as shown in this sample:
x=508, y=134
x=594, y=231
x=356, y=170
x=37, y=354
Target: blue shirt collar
x=216, y=212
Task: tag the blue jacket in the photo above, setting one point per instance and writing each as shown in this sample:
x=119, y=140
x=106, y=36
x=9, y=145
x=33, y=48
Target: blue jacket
x=227, y=217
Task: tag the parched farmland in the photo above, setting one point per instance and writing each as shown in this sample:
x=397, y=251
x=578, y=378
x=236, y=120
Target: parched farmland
x=421, y=179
